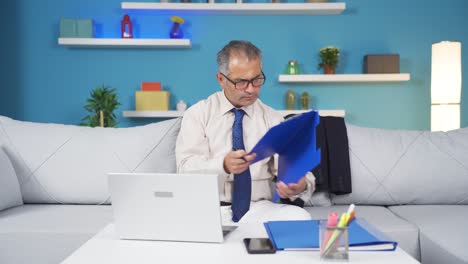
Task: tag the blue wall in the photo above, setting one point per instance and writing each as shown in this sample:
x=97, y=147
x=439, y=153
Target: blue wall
x=45, y=82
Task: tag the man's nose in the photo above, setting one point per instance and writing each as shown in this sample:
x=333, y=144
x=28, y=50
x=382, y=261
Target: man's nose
x=250, y=88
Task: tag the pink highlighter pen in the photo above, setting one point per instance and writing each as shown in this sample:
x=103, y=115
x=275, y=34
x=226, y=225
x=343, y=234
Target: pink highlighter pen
x=332, y=221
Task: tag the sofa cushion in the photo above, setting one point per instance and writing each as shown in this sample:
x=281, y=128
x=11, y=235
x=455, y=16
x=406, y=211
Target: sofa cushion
x=10, y=194
x=48, y=233
x=69, y=164
x=442, y=229
x=405, y=233
x=393, y=167
x=319, y=199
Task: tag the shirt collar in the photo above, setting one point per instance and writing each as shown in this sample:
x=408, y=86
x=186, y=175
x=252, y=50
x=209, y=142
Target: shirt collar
x=226, y=106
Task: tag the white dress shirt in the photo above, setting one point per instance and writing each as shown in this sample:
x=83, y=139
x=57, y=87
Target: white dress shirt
x=205, y=138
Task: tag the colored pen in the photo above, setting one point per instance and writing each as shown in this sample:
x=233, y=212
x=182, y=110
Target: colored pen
x=331, y=222
x=350, y=210
x=350, y=218
x=332, y=219
x=336, y=233
x=345, y=219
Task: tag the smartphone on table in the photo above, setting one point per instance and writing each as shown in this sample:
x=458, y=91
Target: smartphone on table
x=259, y=246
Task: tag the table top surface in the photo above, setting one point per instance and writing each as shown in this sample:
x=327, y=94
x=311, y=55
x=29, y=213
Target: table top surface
x=106, y=247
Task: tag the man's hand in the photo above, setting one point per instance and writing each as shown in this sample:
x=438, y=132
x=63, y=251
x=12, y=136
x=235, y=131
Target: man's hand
x=237, y=161
x=287, y=191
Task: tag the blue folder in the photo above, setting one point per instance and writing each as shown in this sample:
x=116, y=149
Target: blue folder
x=295, y=142
x=304, y=235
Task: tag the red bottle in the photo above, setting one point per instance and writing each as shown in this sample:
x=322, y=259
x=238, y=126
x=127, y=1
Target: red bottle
x=126, y=28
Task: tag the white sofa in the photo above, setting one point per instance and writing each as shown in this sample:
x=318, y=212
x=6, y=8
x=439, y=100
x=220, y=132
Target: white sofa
x=413, y=185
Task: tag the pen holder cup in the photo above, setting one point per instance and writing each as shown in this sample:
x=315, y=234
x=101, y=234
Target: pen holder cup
x=334, y=243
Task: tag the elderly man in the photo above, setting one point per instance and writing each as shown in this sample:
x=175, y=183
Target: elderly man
x=217, y=133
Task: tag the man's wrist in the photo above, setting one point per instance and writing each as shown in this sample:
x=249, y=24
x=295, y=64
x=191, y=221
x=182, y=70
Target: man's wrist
x=306, y=189
x=226, y=170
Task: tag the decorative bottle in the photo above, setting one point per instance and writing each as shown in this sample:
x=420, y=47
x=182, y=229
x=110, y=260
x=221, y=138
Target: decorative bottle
x=176, y=31
x=181, y=106
x=292, y=67
x=290, y=99
x=126, y=27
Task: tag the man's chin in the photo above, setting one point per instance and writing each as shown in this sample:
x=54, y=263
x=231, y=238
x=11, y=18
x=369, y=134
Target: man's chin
x=246, y=101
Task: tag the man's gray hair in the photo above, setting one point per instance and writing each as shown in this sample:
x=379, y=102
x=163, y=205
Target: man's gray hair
x=241, y=47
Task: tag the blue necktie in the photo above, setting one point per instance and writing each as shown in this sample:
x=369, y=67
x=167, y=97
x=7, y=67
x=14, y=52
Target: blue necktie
x=242, y=181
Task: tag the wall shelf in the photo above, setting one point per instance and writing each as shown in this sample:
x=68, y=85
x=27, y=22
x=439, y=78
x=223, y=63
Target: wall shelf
x=333, y=78
x=170, y=114
x=125, y=43
x=242, y=8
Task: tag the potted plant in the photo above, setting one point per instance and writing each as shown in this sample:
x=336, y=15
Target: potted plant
x=101, y=106
x=329, y=57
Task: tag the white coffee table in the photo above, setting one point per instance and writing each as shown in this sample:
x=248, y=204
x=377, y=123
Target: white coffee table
x=106, y=247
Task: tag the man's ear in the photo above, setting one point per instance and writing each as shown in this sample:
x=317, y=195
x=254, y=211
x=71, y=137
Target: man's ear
x=220, y=79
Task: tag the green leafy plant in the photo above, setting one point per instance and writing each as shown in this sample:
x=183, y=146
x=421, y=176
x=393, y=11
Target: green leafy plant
x=103, y=99
x=329, y=56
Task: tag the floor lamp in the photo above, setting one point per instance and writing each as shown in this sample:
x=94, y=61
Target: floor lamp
x=445, y=85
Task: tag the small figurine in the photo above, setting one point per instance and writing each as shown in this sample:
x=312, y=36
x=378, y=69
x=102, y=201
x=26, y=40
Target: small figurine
x=290, y=99
x=176, y=32
x=305, y=100
x=126, y=27
x=181, y=106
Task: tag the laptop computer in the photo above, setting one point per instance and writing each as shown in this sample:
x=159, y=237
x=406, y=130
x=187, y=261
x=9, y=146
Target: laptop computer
x=166, y=206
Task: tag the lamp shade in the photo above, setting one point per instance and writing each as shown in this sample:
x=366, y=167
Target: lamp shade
x=446, y=73
x=445, y=117
x=446, y=85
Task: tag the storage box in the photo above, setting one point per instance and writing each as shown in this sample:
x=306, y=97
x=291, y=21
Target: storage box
x=84, y=28
x=152, y=100
x=67, y=28
x=76, y=28
x=383, y=63
x=151, y=86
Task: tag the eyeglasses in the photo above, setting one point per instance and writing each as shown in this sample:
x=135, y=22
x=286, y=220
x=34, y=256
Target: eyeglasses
x=243, y=84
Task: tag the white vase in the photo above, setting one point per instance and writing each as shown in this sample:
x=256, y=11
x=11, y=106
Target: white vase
x=181, y=105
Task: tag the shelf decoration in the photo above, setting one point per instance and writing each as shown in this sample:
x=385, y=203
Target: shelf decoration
x=292, y=67
x=151, y=97
x=290, y=100
x=176, y=31
x=305, y=101
x=382, y=63
x=151, y=86
x=76, y=28
x=181, y=106
x=329, y=57
x=126, y=27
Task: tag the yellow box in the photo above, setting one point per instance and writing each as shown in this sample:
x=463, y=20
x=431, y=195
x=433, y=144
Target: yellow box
x=152, y=100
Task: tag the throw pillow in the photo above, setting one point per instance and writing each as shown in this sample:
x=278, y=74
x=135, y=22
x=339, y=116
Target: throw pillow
x=69, y=164
x=394, y=167
x=10, y=194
